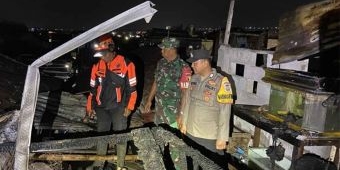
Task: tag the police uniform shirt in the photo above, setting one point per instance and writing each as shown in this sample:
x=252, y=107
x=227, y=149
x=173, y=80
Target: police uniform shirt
x=207, y=109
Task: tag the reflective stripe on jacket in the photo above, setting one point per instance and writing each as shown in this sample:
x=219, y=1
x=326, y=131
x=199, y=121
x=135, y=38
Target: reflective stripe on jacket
x=113, y=88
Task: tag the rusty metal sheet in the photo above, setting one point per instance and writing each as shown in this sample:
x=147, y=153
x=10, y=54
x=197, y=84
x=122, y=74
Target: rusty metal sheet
x=307, y=31
x=301, y=80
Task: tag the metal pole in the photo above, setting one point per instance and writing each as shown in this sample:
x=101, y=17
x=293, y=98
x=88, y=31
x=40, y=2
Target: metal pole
x=228, y=25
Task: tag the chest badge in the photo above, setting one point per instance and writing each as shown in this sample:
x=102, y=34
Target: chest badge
x=212, y=83
x=207, y=95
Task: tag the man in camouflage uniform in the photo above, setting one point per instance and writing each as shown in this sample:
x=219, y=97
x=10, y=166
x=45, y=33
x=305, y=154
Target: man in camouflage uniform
x=172, y=77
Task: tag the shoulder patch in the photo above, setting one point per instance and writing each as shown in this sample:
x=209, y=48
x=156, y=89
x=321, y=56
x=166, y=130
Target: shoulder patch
x=225, y=94
x=185, y=77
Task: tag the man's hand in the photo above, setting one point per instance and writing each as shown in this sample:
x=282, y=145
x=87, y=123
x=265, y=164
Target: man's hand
x=221, y=144
x=179, y=119
x=147, y=107
x=127, y=112
x=89, y=115
x=183, y=129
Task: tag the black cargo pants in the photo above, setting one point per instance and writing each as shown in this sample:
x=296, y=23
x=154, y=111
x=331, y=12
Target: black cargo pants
x=107, y=119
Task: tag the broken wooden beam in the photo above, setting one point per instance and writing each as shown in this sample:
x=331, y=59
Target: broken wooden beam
x=78, y=157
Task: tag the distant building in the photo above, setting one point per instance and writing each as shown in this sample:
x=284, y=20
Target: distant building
x=155, y=36
x=256, y=39
x=253, y=38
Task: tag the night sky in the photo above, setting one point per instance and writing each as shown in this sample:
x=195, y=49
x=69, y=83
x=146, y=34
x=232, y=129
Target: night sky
x=202, y=13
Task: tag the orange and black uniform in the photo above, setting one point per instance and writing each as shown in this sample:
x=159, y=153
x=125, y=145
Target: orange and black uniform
x=113, y=84
x=113, y=88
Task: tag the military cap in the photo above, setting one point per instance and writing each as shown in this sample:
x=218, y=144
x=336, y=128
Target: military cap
x=169, y=42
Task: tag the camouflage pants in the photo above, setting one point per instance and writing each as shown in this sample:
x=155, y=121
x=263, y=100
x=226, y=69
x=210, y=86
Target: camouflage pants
x=166, y=111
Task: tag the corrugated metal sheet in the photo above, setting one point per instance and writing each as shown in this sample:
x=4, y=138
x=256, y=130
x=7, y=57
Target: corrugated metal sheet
x=307, y=31
x=59, y=110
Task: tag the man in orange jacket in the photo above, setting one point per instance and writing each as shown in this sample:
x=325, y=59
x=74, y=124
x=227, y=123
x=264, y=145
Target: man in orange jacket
x=113, y=93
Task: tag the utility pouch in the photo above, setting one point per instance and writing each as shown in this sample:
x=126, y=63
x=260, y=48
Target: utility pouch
x=116, y=80
x=113, y=90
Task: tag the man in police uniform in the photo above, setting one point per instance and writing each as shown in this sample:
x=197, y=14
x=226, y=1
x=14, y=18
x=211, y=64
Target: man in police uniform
x=206, y=113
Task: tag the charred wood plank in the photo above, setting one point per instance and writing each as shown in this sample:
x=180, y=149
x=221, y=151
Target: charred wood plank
x=79, y=143
x=78, y=157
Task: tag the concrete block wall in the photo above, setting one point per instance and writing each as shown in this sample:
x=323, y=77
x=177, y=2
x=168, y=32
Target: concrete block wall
x=241, y=65
x=231, y=60
x=246, y=68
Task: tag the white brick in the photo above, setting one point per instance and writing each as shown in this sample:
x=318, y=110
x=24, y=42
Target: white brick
x=253, y=73
x=239, y=55
x=263, y=89
x=229, y=57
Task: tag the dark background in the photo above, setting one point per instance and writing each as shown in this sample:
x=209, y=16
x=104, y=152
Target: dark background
x=78, y=14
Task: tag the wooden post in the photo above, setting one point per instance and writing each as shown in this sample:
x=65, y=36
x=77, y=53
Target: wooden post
x=257, y=137
x=337, y=157
x=228, y=25
x=297, y=153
